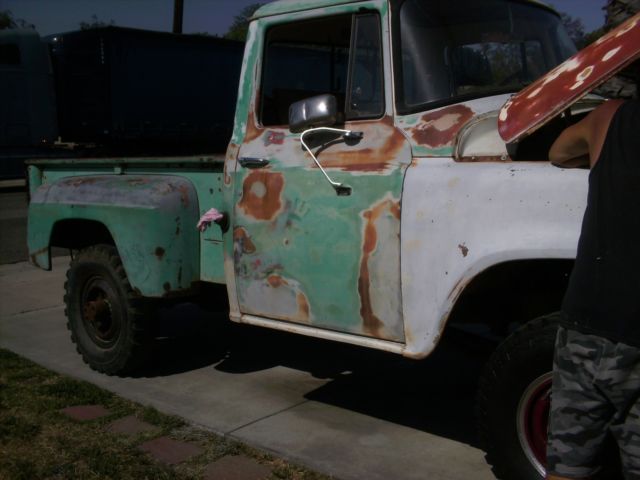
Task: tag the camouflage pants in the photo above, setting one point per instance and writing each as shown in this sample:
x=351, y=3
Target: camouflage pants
x=596, y=390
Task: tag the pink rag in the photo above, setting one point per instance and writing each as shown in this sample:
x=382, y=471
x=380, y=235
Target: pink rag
x=206, y=219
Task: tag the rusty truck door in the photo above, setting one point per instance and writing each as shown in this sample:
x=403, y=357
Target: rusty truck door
x=302, y=253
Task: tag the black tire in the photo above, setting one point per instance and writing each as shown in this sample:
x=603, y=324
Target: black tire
x=108, y=323
x=513, y=401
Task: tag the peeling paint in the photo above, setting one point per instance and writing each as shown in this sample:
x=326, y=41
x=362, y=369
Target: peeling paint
x=439, y=128
x=371, y=322
x=261, y=191
x=159, y=253
x=274, y=138
x=77, y=182
x=243, y=240
x=535, y=105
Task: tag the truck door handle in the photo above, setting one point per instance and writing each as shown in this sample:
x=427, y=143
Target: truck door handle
x=253, y=162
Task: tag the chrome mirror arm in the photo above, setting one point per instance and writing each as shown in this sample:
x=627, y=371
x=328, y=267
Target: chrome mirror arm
x=340, y=188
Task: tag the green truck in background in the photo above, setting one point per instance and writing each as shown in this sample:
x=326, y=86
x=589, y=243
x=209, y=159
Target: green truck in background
x=384, y=182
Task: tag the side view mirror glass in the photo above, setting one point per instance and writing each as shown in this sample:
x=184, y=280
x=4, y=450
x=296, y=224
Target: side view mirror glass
x=318, y=111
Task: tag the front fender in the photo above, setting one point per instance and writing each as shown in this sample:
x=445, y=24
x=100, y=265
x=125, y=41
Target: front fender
x=151, y=218
x=459, y=219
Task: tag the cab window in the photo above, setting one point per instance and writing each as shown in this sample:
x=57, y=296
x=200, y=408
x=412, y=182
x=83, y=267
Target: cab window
x=339, y=55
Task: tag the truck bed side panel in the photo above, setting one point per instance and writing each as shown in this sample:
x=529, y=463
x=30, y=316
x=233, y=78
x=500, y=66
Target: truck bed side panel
x=151, y=218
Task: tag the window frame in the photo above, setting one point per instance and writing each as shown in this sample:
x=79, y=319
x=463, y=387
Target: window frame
x=342, y=115
x=400, y=106
x=351, y=68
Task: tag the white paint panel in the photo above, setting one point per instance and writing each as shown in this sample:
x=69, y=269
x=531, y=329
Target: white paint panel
x=458, y=219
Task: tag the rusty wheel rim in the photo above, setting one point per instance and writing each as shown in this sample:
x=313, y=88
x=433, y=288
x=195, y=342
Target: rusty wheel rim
x=101, y=320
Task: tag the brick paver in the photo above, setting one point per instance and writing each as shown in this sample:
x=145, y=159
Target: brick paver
x=130, y=425
x=236, y=468
x=167, y=450
x=85, y=412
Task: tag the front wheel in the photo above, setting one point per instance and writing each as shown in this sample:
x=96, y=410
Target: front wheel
x=107, y=321
x=514, y=398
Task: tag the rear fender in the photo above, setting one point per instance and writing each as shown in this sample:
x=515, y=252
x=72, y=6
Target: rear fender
x=151, y=218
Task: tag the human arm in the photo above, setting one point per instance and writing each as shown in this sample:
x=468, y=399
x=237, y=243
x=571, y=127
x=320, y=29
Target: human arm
x=571, y=148
x=580, y=144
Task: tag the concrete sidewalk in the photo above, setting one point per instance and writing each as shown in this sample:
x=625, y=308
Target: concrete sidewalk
x=340, y=410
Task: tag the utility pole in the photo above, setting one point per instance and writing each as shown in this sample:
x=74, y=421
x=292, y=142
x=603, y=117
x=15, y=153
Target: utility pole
x=178, y=9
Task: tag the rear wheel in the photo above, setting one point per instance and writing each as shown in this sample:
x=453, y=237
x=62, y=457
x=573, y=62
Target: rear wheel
x=108, y=323
x=514, y=400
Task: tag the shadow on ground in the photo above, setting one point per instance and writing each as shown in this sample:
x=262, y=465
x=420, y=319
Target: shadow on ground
x=435, y=395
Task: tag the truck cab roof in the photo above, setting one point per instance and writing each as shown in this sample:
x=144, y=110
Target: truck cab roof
x=289, y=6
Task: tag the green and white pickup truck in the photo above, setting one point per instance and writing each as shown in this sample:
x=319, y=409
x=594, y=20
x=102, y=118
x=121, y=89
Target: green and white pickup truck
x=382, y=184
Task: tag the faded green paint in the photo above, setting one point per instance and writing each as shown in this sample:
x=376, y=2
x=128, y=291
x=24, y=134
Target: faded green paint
x=206, y=248
x=147, y=216
x=317, y=241
x=293, y=6
x=301, y=252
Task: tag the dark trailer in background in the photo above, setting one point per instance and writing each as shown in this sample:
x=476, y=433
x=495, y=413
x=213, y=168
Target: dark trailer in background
x=28, y=124
x=122, y=91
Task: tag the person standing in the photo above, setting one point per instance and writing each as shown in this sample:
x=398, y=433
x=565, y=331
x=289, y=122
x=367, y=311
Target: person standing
x=596, y=371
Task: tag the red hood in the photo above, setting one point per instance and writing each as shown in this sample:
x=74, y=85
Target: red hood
x=534, y=106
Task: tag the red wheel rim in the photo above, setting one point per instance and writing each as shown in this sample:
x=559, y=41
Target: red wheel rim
x=533, y=419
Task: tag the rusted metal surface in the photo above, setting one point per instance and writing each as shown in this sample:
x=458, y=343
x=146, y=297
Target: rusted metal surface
x=300, y=252
x=557, y=90
x=454, y=130
x=374, y=242
x=143, y=213
x=261, y=194
x=439, y=128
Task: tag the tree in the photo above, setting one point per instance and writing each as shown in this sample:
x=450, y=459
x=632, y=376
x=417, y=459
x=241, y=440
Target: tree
x=575, y=28
x=240, y=25
x=622, y=85
x=7, y=21
x=619, y=10
x=95, y=23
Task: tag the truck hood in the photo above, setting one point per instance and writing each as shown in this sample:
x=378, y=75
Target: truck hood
x=554, y=92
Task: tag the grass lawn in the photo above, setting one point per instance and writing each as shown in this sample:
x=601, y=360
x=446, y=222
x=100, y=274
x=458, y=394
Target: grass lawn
x=37, y=441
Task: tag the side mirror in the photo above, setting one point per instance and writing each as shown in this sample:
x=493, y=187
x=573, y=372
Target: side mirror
x=319, y=111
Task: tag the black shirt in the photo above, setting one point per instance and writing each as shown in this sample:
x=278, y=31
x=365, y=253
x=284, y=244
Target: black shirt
x=603, y=296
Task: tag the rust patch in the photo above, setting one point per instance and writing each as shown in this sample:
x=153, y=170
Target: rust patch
x=303, y=305
x=464, y=249
x=232, y=153
x=134, y=182
x=180, y=276
x=183, y=191
x=274, y=138
x=372, y=324
x=439, y=128
x=184, y=195
x=77, y=182
x=167, y=287
x=276, y=281
x=351, y=159
x=252, y=131
x=242, y=238
x=261, y=192
x=159, y=252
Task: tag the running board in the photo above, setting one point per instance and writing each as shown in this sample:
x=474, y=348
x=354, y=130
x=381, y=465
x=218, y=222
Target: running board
x=385, y=345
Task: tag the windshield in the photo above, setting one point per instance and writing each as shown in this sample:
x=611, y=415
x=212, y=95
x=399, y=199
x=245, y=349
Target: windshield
x=450, y=50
